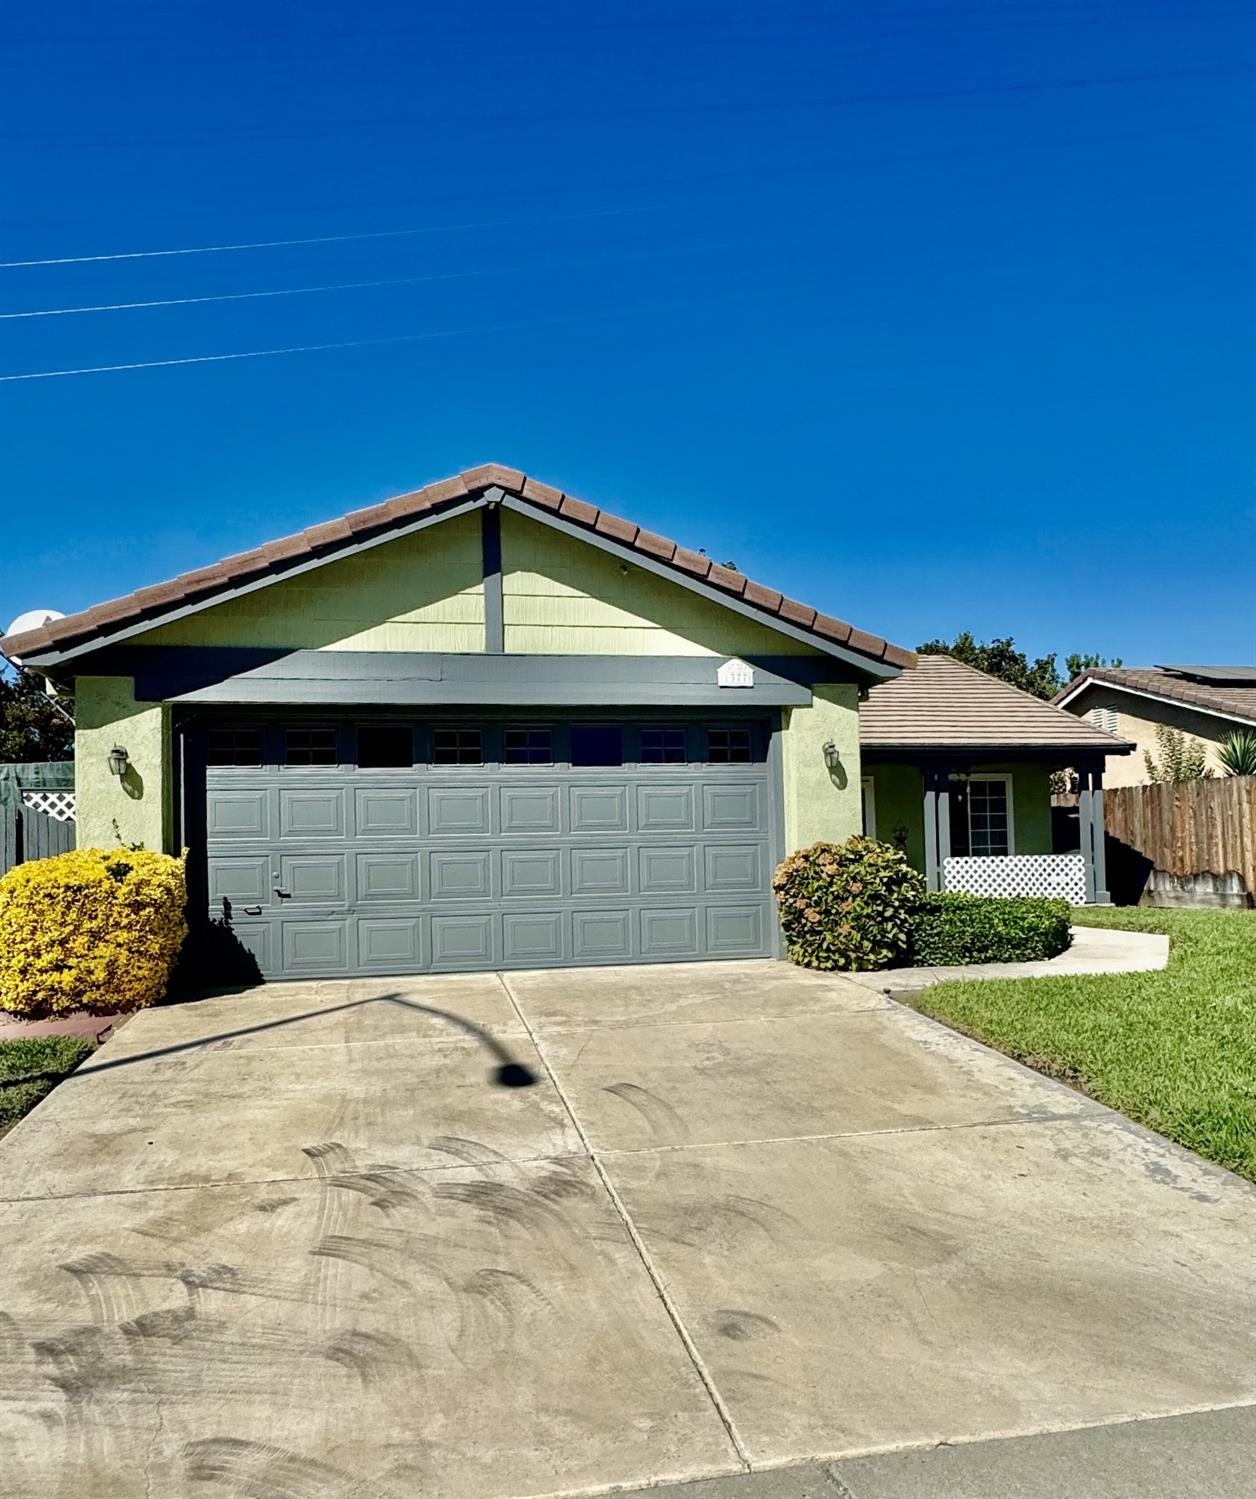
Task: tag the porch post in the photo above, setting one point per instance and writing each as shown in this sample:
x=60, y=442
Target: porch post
x=1086, y=828
x=1099, y=841
x=932, y=871
x=937, y=812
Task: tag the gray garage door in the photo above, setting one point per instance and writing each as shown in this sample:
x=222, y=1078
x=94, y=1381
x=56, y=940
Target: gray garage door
x=404, y=848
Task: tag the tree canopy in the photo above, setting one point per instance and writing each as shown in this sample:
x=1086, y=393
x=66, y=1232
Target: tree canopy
x=1000, y=658
x=32, y=727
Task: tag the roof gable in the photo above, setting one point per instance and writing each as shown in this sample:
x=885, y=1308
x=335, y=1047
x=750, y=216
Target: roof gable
x=141, y=611
x=1232, y=698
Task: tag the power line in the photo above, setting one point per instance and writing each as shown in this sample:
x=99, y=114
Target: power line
x=822, y=170
x=324, y=239
x=245, y=296
x=155, y=364
x=362, y=343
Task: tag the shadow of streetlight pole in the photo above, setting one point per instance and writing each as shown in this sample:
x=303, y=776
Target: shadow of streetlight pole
x=509, y=1071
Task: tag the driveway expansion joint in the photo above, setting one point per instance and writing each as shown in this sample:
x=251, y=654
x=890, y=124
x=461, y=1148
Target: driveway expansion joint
x=669, y=1306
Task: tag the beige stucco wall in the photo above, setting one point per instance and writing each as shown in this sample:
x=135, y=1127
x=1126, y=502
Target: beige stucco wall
x=1137, y=720
x=106, y=714
x=424, y=593
x=819, y=803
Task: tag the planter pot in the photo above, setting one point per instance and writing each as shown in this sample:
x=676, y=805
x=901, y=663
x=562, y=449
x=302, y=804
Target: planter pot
x=75, y=1023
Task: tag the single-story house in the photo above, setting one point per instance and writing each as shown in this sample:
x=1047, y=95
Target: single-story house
x=1205, y=702
x=486, y=724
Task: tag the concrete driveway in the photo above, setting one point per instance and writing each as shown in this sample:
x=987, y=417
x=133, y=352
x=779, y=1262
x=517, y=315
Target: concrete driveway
x=303, y=1242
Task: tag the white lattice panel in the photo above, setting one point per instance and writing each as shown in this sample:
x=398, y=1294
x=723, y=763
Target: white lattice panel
x=59, y=805
x=1062, y=876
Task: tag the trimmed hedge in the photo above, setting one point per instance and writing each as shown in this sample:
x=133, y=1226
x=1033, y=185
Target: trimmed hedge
x=847, y=905
x=96, y=930
x=951, y=928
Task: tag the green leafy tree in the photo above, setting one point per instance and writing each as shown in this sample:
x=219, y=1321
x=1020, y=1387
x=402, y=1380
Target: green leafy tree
x=32, y=725
x=1237, y=753
x=1181, y=759
x=1075, y=663
x=1000, y=658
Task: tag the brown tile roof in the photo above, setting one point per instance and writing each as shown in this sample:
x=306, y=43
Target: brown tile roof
x=1176, y=684
x=324, y=541
x=947, y=704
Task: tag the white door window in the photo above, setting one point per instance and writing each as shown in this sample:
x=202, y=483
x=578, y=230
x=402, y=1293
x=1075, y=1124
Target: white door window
x=981, y=816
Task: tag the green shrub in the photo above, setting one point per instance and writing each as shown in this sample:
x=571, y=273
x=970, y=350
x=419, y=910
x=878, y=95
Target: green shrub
x=96, y=930
x=42, y=1061
x=952, y=928
x=847, y=905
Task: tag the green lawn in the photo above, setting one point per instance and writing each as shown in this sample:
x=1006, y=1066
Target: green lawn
x=1174, y=1050
x=48, y=1058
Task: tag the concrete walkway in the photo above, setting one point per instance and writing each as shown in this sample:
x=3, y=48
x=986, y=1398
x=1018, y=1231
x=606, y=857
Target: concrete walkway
x=1093, y=950
x=318, y=1241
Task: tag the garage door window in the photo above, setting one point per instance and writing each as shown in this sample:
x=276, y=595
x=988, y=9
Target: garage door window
x=310, y=747
x=529, y=747
x=597, y=744
x=385, y=747
x=457, y=747
x=728, y=746
x=235, y=747
x=663, y=747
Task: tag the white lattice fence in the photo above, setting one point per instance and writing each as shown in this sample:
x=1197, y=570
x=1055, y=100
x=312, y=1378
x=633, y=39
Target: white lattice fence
x=1062, y=876
x=59, y=805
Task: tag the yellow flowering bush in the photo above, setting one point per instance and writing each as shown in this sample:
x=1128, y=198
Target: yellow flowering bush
x=97, y=929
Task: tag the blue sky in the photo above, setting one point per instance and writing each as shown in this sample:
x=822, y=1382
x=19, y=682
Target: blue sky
x=938, y=316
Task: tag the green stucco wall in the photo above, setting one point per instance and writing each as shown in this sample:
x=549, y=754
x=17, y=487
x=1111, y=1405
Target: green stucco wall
x=899, y=794
x=1031, y=806
x=106, y=714
x=562, y=596
x=418, y=593
x=819, y=803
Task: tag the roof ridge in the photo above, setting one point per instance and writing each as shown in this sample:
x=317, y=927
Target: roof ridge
x=201, y=587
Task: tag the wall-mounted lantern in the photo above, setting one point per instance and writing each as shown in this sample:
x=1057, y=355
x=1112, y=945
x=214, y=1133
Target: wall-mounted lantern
x=832, y=758
x=119, y=761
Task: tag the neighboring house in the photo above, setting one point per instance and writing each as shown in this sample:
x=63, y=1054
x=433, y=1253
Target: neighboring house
x=481, y=725
x=957, y=765
x=1205, y=702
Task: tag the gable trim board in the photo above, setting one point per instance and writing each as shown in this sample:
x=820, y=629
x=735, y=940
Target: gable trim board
x=66, y=639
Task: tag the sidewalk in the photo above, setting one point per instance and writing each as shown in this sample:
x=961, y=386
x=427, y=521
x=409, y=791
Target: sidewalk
x=1094, y=950
x=1198, y=1456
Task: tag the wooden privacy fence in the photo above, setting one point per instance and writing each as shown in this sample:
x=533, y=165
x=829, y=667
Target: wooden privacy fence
x=1192, y=843
x=36, y=811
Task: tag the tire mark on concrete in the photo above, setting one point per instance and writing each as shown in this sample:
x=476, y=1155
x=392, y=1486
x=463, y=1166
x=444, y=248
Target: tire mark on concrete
x=263, y=1470
x=664, y=1122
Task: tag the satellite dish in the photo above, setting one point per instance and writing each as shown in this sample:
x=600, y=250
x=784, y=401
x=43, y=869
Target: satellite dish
x=32, y=620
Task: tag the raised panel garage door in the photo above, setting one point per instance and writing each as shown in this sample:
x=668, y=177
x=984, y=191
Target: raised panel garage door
x=490, y=848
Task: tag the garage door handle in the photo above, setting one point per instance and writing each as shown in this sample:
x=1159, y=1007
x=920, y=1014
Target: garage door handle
x=252, y=910
x=284, y=894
